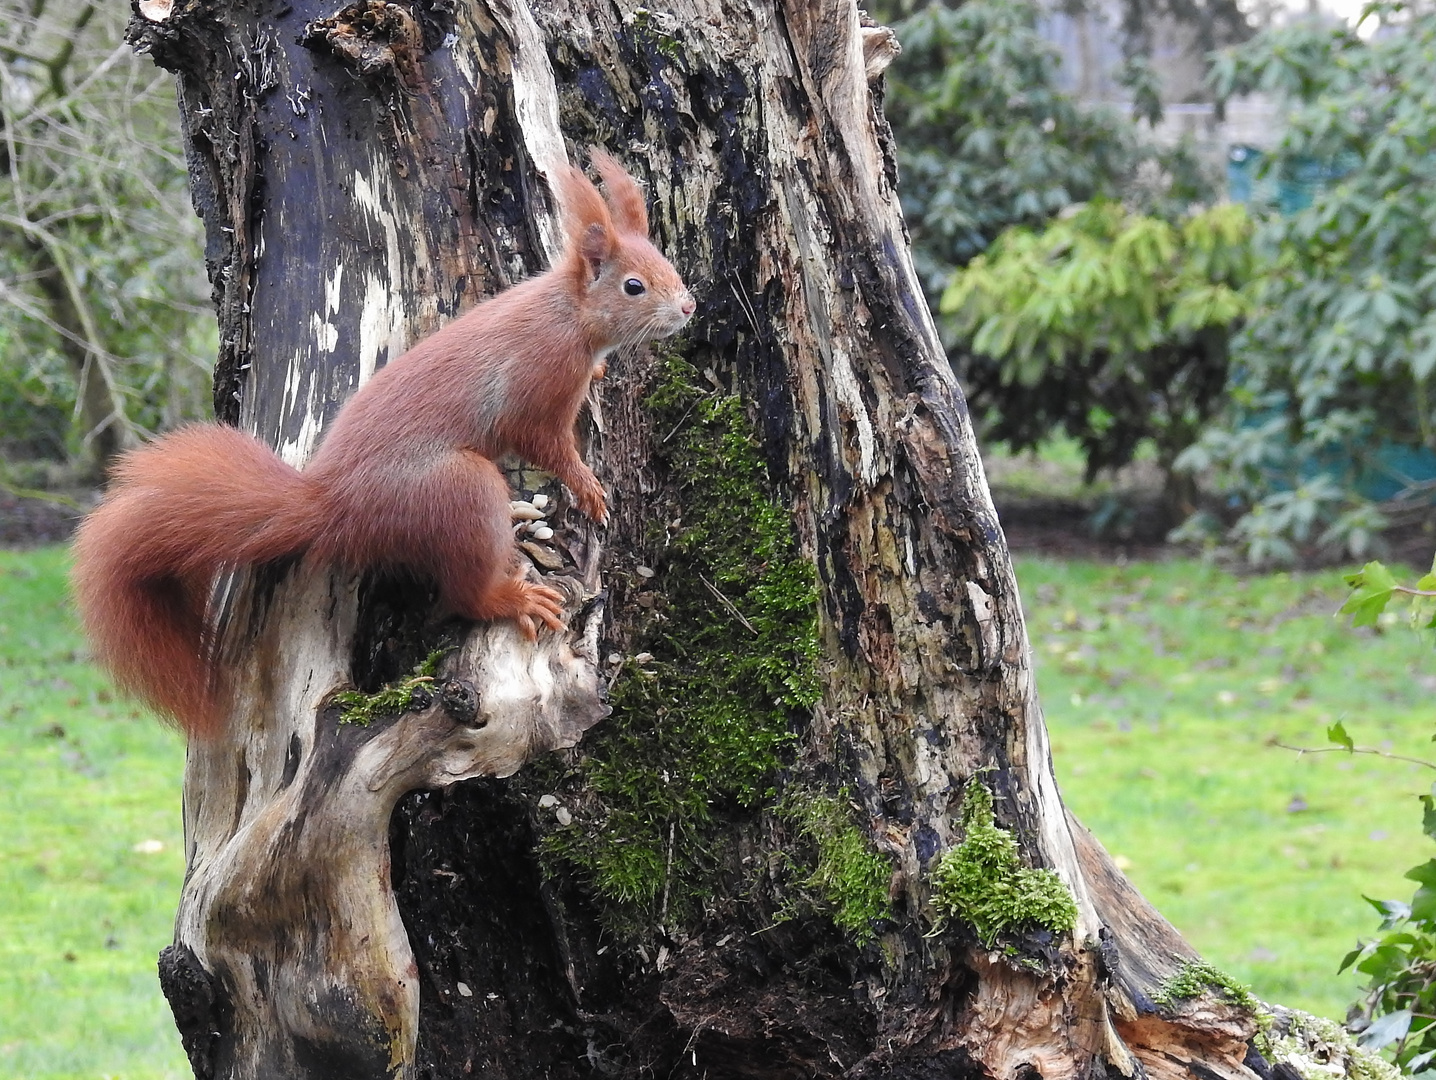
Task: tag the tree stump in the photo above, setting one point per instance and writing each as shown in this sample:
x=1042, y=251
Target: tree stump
x=802, y=615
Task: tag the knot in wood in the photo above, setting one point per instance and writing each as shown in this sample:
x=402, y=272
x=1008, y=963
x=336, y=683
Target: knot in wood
x=460, y=699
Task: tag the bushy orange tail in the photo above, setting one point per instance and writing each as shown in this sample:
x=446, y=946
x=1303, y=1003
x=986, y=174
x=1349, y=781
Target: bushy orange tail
x=200, y=500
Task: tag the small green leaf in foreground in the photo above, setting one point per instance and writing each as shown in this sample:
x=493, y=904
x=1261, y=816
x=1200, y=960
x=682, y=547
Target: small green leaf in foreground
x=1372, y=587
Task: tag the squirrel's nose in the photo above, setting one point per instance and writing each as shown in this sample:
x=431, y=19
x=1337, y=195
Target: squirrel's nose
x=688, y=306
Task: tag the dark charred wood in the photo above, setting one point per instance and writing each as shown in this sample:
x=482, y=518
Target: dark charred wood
x=198, y=1009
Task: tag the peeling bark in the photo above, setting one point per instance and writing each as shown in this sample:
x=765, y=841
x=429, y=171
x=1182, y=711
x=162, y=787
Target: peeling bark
x=366, y=173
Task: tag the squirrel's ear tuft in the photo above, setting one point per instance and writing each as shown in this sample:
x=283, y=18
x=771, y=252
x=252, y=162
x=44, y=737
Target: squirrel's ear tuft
x=586, y=221
x=625, y=199
x=596, y=247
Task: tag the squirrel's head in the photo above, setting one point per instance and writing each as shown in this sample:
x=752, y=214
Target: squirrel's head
x=628, y=292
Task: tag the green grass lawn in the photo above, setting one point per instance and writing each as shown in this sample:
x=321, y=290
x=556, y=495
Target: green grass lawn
x=1163, y=684
x=88, y=790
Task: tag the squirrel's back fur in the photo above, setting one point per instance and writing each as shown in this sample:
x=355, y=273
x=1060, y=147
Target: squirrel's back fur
x=404, y=476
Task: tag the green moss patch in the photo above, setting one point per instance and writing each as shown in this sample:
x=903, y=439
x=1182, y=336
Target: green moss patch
x=982, y=880
x=849, y=878
x=721, y=673
x=363, y=709
x=1197, y=977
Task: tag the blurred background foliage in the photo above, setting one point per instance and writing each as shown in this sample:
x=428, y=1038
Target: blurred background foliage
x=1087, y=280
x=106, y=332
x=1328, y=432
x=1110, y=325
x=991, y=150
x=1276, y=364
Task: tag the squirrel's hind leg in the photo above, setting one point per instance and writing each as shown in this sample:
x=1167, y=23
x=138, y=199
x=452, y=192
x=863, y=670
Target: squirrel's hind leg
x=470, y=547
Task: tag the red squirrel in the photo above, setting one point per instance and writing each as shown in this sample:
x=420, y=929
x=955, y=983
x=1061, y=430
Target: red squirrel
x=404, y=476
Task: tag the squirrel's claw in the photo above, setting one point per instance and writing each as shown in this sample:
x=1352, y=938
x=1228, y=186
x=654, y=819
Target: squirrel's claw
x=544, y=604
x=589, y=496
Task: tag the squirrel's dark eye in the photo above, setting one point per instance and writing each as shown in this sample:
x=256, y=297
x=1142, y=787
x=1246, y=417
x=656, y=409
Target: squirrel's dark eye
x=633, y=287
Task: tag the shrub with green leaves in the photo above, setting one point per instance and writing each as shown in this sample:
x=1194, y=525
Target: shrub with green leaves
x=1111, y=325
x=1398, y=1013
x=1332, y=399
x=987, y=139
x=1399, y=1010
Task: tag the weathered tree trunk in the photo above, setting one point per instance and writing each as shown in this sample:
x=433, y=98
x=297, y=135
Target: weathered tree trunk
x=810, y=633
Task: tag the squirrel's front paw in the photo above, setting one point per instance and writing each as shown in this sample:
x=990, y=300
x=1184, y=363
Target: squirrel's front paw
x=589, y=496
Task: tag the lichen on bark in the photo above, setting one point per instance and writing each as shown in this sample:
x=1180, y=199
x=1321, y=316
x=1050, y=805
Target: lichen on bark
x=1318, y=1049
